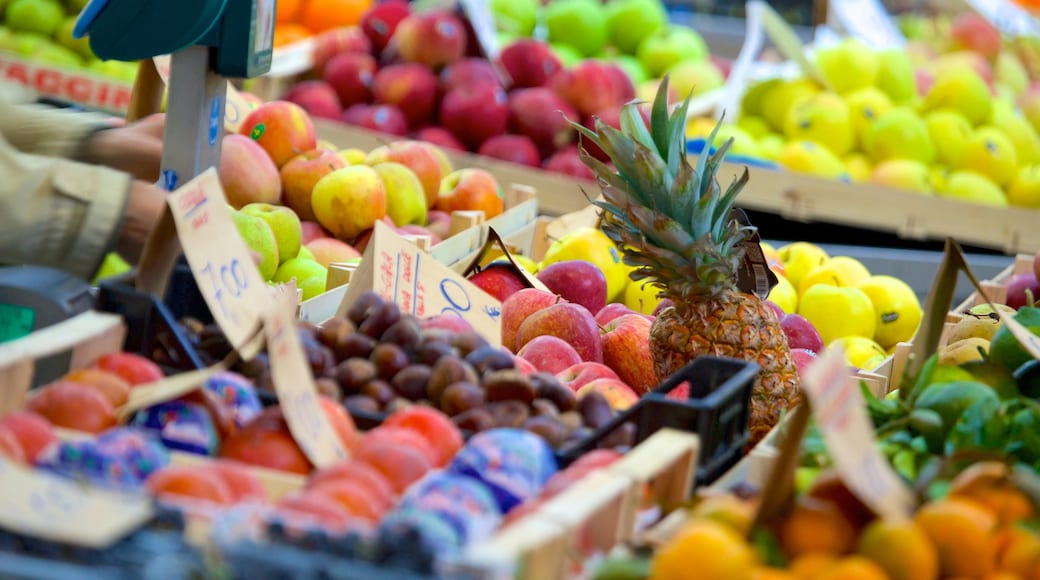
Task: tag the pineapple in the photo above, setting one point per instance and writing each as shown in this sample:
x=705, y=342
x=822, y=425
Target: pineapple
x=672, y=222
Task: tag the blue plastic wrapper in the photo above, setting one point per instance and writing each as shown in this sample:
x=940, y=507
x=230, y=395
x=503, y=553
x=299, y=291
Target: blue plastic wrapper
x=439, y=535
x=466, y=503
x=513, y=463
x=238, y=393
x=122, y=457
x=182, y=426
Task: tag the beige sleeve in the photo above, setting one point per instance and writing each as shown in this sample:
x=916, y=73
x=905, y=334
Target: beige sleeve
x=58, y=213
x=42, y=130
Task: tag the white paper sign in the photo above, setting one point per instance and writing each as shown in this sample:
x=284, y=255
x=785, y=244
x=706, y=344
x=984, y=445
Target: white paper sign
x=1007, y=16
x=841, y=416
x=868, y=21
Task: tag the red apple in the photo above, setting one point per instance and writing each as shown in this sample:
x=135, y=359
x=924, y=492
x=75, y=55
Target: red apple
x=542, y=115
x=1017, y=287
x=410, y=87
x=417, y=230
x=513, y=148
x=282, y=128
x=662, y=305
x=724, y=65
x=801, y=333
x=329, y=250
x=498, y=280
x=475, y=112
x=802, y=359
x=589, y=86
x=612, y=311
x=577, y=376
x=549, y=354
x=439, y=223
x=570, y=322
x=317, y=98
x=470, y=189
x=448, y=322
x=779, y=312
x=440, y=137
x=247, y=173
x=529, y=62
x=618, y=394
x=467, y=71
x=626, y=349
x=518, y=307
x=380, y=21
x=577, y=281
x=311, y=231
x=972, y=31
x=523, y=366
x=300, y=175
x=344, y=40
x=568, y=162
x=350, y=75
x=433, y=39
x=924, y=80
x=623, y=89
x=681, y=392
x=384, y=118
x=418, y=156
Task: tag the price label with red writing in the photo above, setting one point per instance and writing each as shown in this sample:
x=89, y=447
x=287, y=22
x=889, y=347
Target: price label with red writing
x=294, y=383
x=223, y=267
x=841, y=416
x=399, y=271
x=42, y=505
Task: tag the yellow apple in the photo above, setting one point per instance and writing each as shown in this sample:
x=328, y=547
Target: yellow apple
x=990, y=153
x=349, y=201
x=405, y=198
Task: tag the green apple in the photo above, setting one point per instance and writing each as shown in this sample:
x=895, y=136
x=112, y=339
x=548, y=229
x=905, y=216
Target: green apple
x=903, y=174
x=578, y=23
x=405, y=199
x=517, y=17
x=848, y=65
x=260, y=239
x=633, y=68
x=298, y=269
x=695, y=77
x=305, y=252
x=770, y=146
x=780, y=97
x=961, y=89
x=505, y=38
x=568, y=55
x=7, y=40
x=1010, y=72
x=949, y=131
x=865, y=105
x=58, y=55
x=858, y=167
x=990, y=153
x=670, y=46
x=972, y=187
x=811, y=158
x=76, y=6
x=1022, y=135
x=1024, y=189
x=313, y=286
x=754, y=126
x=630, y=21
x=38, y=16
x=27, y=43
x=752, y=101
x=895, y=76
x=899, y=134
x=285, y=224
x=823, y=118
x=80, y=46
x=743, y=143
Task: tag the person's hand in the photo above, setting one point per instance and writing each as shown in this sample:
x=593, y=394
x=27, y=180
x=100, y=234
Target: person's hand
x=145, y=205
x=135, y=148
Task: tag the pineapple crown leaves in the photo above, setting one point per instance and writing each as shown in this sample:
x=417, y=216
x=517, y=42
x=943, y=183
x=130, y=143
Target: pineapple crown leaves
x=666, y=214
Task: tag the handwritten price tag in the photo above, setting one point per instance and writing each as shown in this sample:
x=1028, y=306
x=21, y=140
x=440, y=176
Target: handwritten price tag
x=397, y=270
x=841, y=416
x=483, y=22
x=294, y=383
x=1008, y=17
x=46, y=506
x=219, y=259
x=868, y=21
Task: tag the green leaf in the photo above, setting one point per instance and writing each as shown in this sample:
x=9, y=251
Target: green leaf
x=659, y=117
x=632, y=123
x=677, y=145
x=980, y=426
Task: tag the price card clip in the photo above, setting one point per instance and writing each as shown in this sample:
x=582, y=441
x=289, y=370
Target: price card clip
x=495, y=243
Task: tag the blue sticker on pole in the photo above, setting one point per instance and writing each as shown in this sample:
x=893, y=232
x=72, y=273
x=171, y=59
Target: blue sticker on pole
x=216, y=111
x=169, y=179
x=87, y=17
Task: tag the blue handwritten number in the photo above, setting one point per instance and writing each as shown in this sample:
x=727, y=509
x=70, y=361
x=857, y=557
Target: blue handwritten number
x=231, y=280
x=450, y=287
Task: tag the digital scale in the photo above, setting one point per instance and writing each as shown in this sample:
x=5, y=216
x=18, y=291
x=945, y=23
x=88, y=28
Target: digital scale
x=209, y=41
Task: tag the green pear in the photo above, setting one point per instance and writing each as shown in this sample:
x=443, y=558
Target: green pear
x=80, y=46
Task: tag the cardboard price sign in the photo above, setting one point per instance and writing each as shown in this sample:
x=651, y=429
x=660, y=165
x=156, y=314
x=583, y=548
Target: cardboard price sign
x=841, y=415
x=495, y=241
x=219, y=259
x=398, y=271
x=46, y=506
x=1007, y=17
x=294, y=383
x=868, y=21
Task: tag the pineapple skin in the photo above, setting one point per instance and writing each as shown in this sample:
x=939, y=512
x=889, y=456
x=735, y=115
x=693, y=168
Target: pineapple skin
x=737, y=325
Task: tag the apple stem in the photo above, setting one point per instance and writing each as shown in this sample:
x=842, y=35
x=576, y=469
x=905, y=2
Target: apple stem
x=1029, y=297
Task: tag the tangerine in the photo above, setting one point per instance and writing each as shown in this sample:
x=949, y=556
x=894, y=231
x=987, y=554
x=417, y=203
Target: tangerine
x=357, y=472
x=704, y=549
x=962, y=531
x=319, y=509
x=902, y=549
x=1019, y=553
x=853, y=568
x=243, y=483
x=73, y=406
x=766, y=573
x=10, y=448
x=114, y=387
x=287, y=10
x=402, y=436
x=811, y=565
x=340, y=421
x=287, y=33
x=134, y=368
x=353, y=496
x=322, y=15
x=727, y=509
x=176, y=482
x=399, y=464
x=434, y=426
x=816, y=525
x=265, y=446
x=33, y=432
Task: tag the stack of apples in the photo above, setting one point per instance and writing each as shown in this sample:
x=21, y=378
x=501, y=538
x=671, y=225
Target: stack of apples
x=41, y=31
x=419, y=74
x=959, y=122
x=302, y=204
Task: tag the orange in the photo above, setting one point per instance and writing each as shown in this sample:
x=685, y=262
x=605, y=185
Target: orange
x=322, y=15
x=134, y=368
x=810, y=565
x=73, y=406
x=962, y=531
x=727, y=509
x=989, y=483
x=288, y=33
x=900, y=548
x=434, y=426
x=399, y=464
x=243, y=484
x=109, y=384
x=765, y=573
x=816, y=525
x=853, y=568
x=287, y=10
x=316, y=508
x=356, y=472
x=1019, y=553
x=184, y=481
x=353, y=496
x=704, y=549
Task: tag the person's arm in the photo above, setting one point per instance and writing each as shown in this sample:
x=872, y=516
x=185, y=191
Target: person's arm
x=43, y=130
